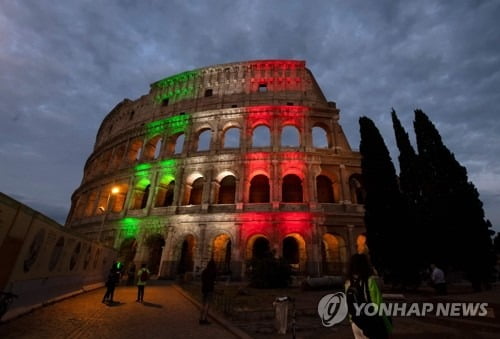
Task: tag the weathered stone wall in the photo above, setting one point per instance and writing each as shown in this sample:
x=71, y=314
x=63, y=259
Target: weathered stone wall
x=41, y=261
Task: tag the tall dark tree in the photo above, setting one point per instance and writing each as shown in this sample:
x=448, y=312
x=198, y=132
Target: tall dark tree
x=460, y=236
x=384, y=203
x=410, y=186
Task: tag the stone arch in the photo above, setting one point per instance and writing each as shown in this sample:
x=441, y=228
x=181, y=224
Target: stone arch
x=117, y=157
x=321, y=136
x=175, y=143
x=196, y=193
x=119, y=198
x=294, y=251
x=361, y=246
x=290, y=136
x=152, y=148
x=227, y=190
x=291, y=189
x=221, y=252
x=259, y=190
x=134, y=150
x=334, y=254
x=324, y=189
x=127, y=251
x=258, y=246
x=155, y=243
x=186, y=254
x=358, y=193
x=203, y=139
x=165, y=191
x=141, y=194
x=261, y=136
x=231, y=137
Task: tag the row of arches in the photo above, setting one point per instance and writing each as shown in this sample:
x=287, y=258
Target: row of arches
x=293, y=249
x=223, y=191
x=158, y=146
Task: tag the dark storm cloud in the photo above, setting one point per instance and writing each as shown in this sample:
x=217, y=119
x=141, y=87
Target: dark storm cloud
x=64, y=66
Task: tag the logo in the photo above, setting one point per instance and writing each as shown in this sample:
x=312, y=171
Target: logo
x=332, y=309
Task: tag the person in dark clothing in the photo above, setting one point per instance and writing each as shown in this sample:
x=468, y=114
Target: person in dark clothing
x=207, y=289
x=111, y=281
x=362, y=287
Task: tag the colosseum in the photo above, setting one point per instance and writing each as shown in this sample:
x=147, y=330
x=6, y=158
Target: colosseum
x=227, y=162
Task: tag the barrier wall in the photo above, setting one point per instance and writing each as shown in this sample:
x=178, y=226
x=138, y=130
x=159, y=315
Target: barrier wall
x=41, y=261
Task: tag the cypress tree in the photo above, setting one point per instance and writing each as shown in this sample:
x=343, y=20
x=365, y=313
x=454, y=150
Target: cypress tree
x=460, y=237
x=383, y=204
x=410, y=186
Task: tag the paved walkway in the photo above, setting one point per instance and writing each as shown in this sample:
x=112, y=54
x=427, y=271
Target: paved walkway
x=165, y=314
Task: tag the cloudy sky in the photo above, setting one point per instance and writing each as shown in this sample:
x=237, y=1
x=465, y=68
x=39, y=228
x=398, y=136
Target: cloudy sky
x=64, y=66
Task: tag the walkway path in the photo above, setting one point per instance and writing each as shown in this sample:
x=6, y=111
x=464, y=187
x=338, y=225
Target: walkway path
x=165, y=313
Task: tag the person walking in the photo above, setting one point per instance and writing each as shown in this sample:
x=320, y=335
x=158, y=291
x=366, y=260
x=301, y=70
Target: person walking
x=207, y=289
x=142, y=278
x=437, y=280
x=111, y=282
x=362, y=287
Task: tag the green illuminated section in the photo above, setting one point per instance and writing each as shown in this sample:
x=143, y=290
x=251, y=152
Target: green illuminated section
x=129, y=226
x=182, y=90
x=168, y=170
x=171, y=125
x=180, y=78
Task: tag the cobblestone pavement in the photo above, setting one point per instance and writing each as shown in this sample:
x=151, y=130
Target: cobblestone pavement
x=165, y=313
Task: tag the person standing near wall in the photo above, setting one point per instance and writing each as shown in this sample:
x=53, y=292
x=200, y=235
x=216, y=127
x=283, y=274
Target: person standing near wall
x=142, y=278
x=207, y=289
x=111, y=281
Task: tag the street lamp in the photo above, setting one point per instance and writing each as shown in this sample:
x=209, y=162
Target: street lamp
x=104, y=210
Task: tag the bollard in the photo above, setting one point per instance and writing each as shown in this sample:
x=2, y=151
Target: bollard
x=280, y=305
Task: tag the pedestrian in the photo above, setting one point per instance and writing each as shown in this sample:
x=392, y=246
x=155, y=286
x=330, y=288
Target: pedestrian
x=111, y=282
x=207, y=290
x=437, y=280
x=142, y=278
x=131, y=275
x=362, y=288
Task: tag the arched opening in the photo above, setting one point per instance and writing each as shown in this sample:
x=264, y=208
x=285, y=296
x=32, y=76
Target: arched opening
x=333, y=252
x=291, y=189
x=127, y=250
x=290, y=137
x=155, y=244
x=361, y=247
x=260, y=248
x=152, y=148
x=186, y=258
x=134, y=150
x=291, y=250
x=91, y=204
x=118, y=199
x=358, y=193
x=261, y=137
x=324, y=189
x=259, y=189
x=179, y=144
x=117, y=157
x=195, y=197
x=232, y=138
x=204, y=140
x=227, y=190
x=320, y=137
x=165, y=194
x=221, y=253
x=141, y=195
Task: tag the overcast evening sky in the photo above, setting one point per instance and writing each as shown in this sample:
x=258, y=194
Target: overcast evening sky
x=65, y=64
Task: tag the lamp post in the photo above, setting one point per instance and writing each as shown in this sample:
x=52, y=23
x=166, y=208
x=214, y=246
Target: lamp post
x=114, y=190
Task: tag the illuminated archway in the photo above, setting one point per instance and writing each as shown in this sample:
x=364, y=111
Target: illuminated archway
x=361, y=247
x=196, y=194
x=334, y=254
x=227, y=190
x=294, y=251
x=221, y=253
x=258, y=247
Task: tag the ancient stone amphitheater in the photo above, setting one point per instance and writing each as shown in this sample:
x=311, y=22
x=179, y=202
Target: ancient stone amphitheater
x=228, y=162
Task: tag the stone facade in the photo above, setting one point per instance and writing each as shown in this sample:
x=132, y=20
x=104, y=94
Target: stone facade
x=226, y=162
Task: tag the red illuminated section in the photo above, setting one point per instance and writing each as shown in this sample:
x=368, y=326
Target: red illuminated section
x=276, y=75
x=253, y=223
x=263, y=115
